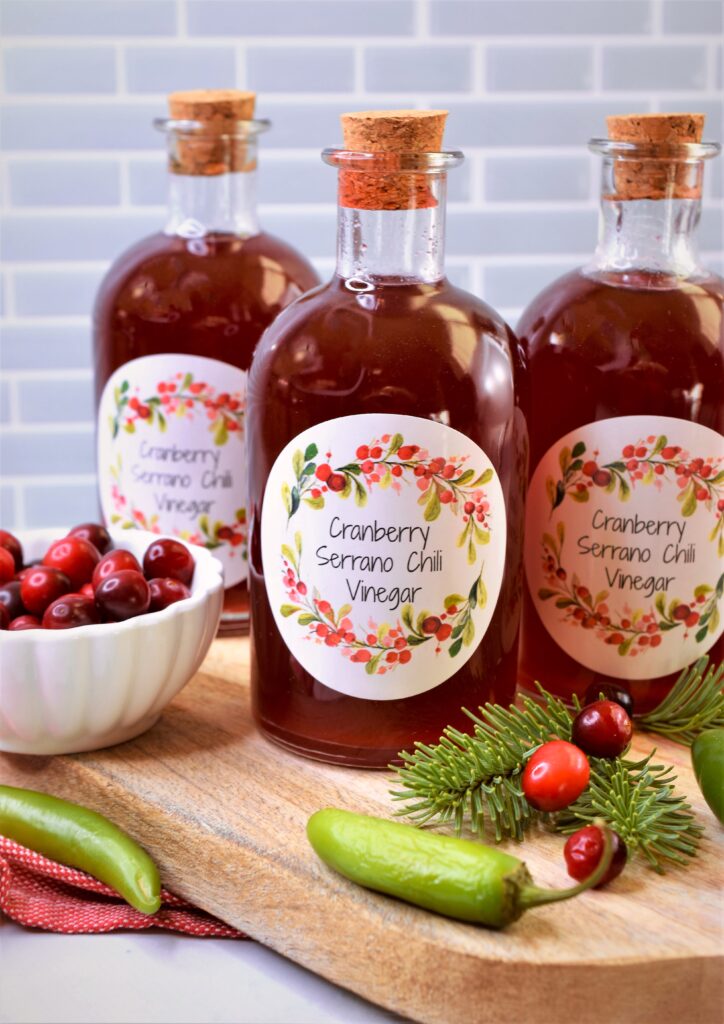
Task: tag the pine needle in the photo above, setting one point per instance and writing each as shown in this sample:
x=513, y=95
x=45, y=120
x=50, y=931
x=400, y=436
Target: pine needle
x=695, y=703
x=637, y=799
x=477, y=779
x=474, y=778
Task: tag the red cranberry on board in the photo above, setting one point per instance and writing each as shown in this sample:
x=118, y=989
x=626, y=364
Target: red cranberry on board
x=70, y=611
x=42, y=585
x=168, y=558
x=11, y=543
x=87, y=591
x=76, y=557
x=165, y=592
x=10, y=597
x=556, y=774
x=7, y=566
x=607, y=691
x=123, y=595
x=602, y=729
x=24, y=622
x=4, y=617
x=583, y=852
x=98, y=535
x=114, y=561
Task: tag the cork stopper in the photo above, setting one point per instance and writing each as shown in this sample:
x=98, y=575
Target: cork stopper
x=661, y=175
x=218, y=147
x=389, y=132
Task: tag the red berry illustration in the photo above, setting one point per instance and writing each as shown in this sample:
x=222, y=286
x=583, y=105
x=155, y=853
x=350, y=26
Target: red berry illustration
x=336, y=482
x=407, y=451
x=405, y=657
x=682, y=612
x=362, y=452
x=602, y=478
x=444, y=632
x=589, y=468
x=431, y=624
x=323, y=472
x=375, y=452
x=628, y=451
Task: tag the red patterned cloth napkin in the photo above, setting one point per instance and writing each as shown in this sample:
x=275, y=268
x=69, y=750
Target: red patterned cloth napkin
x=38, y=893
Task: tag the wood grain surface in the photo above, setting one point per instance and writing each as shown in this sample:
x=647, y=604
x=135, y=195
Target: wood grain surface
x=224, y=813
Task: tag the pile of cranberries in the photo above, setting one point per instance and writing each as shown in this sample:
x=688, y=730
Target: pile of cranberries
x=558, y=772
x=81, y=581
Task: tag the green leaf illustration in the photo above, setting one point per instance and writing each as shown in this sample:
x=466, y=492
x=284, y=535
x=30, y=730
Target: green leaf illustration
x=453, y=600
x=432, y=510
x=395, y=443
x=298, y=463
x=578, y=449
x=310, y=452
x=289, y=609
x=454, y=648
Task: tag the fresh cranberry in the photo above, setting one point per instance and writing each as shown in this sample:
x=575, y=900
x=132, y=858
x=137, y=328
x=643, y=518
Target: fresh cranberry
x=87, y=591
x=74, y=556
x=169, y=558
x=4, y=617
x=167, y=591
x=114, y=561
x=41, y=586
x=98, y=535
x=583, y=851
x=555, y=775
x=10, y=597
x=602, y=729
x=7, y=566
x=607, y=691
x=123, y=595
x=24, y=622
x=70, y=611
x=11, y=543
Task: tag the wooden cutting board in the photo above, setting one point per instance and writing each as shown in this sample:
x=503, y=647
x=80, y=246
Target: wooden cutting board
x=224, y=813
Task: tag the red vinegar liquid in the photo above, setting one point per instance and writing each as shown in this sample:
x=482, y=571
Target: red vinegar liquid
x=212, y=296
x=616, y=345
x=426, y=350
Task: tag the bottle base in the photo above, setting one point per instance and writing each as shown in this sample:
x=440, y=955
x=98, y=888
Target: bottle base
x=345, y=757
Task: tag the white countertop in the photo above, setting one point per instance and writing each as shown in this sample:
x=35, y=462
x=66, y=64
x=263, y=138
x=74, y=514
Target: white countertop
x=162, y=978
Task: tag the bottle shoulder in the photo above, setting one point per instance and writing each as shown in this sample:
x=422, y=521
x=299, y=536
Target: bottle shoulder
x=334, y=313
x=264, y=269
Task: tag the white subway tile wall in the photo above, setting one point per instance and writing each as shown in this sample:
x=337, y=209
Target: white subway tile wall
x=527, y=82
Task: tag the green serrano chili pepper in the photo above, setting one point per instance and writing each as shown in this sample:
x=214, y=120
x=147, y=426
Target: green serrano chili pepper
x=707, y=756
x=80, y=838
x=454, y=877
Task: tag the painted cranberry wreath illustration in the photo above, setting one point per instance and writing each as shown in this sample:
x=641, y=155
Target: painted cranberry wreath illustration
x=388, y=462
x=182, y=396
x=649, y=461
x=632, y=631
x=379, y=647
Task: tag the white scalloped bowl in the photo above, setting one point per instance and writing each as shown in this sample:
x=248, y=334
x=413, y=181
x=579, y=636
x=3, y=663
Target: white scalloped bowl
x=65, y=691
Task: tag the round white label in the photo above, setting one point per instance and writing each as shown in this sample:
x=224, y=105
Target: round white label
x=624, y=544
x=171, y=455
x=383, y=543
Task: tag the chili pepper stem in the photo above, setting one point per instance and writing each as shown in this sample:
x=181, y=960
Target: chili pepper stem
x=533, y=896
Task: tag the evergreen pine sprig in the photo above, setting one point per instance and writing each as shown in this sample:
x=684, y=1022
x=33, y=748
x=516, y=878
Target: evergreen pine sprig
x=638, y=800
x=695, y=703
x=477, y=777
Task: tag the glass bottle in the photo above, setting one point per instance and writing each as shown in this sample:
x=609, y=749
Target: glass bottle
x=176, y=322
x=625, y=515
x=387, y=471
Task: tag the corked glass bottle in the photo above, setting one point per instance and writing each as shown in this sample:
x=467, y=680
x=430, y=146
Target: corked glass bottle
x=387, y=471
x=176, y=322
x=625, y=515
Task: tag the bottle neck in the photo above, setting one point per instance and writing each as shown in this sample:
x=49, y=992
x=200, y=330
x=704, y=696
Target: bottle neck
x=400, y=246
x=200, y=205
x=657, y=236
